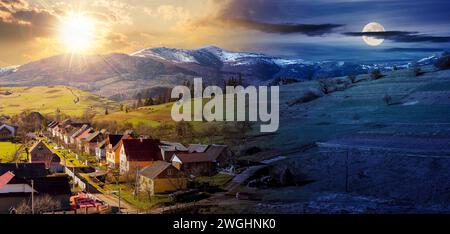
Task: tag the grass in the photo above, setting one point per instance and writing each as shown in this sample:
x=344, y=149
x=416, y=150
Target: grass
x=142, y=201
x=67, y=158
x=358, y=108
x=7, y=151
x=68, y=100
x=150, y=115
x=219, y=179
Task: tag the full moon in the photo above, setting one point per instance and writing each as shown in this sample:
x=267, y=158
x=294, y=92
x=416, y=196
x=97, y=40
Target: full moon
x=373, y=27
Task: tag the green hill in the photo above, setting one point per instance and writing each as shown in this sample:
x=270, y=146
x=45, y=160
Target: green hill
x=47, y=99
x=149, y=115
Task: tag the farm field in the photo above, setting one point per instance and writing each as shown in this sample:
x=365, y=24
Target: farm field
x=149, y=115
x=7, y=150
x=47, y=99
x=419, y=106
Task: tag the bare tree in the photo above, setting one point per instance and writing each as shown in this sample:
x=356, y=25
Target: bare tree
x=325, y=86
x=376, y=74
x=387, y=99
x=42, y=204
x=352, y=78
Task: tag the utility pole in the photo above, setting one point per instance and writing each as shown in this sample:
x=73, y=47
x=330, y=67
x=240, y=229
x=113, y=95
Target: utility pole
x=136, y=184
x=118, y=186
x=32, y=196
x=346, y=173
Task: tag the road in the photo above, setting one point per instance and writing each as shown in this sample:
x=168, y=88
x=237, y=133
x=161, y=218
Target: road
x=113, y=201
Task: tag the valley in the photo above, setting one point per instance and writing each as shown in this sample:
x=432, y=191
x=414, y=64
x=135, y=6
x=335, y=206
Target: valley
x=49, y=99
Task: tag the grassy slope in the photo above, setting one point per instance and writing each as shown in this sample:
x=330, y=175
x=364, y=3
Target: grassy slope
x=360, y=108
x=149, y=115
x=7, y=150
x=152, y=115
x=46, y=99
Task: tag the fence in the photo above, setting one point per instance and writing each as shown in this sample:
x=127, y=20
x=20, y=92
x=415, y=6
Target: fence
x=419, y=179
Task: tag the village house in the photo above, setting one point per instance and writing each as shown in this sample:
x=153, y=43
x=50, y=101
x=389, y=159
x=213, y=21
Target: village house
x=169, y=148
x=51, y=126
x=79, y=140
x=136, y=154
x=113, y=150
x=197, y=148
x=7, y=132
x=203, y=160
x=195, y=164
x=100, y=150
x=92, y=141
x=69, y=130
x=221, y=155
x=161, y=177
x=76, y=133
x=58, y=129
x=41, y=153
x=14, y=190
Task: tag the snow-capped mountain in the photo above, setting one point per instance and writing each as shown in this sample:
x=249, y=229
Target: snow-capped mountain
x=255, y=66
x=8, y=70
x=125, y=75
x=197, y=55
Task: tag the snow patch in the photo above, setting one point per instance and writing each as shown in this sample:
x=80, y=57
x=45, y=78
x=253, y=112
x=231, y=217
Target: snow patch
x=411, y=103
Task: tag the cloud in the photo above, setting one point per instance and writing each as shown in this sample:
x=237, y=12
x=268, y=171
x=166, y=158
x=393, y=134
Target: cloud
x=252, y=15
x=19, y=21
x=414, y=49
x=285, y=28
x=116, y=11
x=402, y=36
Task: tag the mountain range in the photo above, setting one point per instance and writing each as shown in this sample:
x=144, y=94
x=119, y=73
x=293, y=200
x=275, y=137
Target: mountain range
x=125, y=75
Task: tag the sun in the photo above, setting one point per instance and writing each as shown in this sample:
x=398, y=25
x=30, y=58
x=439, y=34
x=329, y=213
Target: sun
x=77, y=32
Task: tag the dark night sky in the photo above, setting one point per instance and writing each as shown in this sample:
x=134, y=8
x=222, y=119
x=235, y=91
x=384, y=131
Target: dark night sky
x=423, y=27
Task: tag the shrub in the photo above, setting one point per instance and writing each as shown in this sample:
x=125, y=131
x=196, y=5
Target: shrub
x=325, y=86
x=42, y=204
x=376, y=74
x=417, y=71
x=443, y=62
x=352, y=78
x=356, y=117
x=387, y=99
x=306, y=97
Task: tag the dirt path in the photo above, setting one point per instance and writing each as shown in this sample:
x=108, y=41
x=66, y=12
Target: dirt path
x=113, y=201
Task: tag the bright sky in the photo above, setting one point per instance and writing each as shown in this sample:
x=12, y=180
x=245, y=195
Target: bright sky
x=320, y=29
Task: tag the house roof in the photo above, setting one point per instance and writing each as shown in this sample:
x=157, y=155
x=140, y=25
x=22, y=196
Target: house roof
x=173, y=146
x=74, y=130
x=37, y=144
x=53, y=185
x=53, y=124
x=85, y=133
x=92, y=136
x=197, y=148
x=120, y=142
x=155, y=169
x=10, y=128
x=114, y=139
x=65, y=122
x=142, y=149
x=102, y=144
x=24, y=170
x=192, y=157
x=79, y=131
x=214, y=151
x=5, y=178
